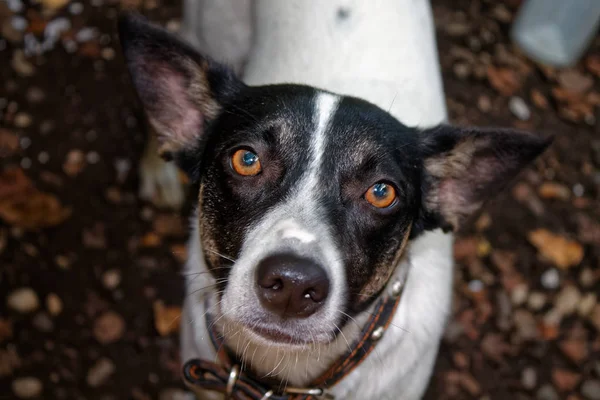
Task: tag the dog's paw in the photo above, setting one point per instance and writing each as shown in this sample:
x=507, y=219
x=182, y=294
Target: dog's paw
x=160, y=183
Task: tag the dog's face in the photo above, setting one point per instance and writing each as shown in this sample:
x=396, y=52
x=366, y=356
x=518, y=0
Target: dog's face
x=307, y=199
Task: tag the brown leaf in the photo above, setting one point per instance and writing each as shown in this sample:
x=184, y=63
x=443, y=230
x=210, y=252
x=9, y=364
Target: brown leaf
x=504, y=80
x=9, y=143
x=166, y=319
x=22, y=205
x=565, y=380
x=150, y=239
x=562, y=252
x=539, y=99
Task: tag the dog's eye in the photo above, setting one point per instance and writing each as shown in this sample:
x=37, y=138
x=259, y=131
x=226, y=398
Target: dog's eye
x=381, y=195
x=245, y=163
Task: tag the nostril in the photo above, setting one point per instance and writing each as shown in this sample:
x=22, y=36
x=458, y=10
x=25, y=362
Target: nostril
x=278, y=285
x=315, y=295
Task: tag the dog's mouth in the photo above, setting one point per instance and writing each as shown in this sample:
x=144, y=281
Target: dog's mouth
x=277, y=336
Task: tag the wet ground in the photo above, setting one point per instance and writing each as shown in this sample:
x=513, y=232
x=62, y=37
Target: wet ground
x=89, y=274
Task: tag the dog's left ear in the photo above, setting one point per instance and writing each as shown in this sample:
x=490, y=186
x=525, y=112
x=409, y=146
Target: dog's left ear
x=462, y=168
x=181, y=90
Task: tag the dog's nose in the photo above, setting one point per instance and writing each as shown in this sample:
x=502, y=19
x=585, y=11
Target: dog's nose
x=291, y=286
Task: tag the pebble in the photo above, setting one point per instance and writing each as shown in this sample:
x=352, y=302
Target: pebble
x=92, y=157
x=564, y=379
x=578, y=190
x=590, y=389
x=536, y=301
x=547, y=392
x=22, y=120
x=461, y=70
x=43, y=157
x=25, y=142
x=86, y=34
x=484, y=104
x=587, y=277
x=526, y=325
x=99, y=373
x=519, y=108
x=24, y=300
x=76, y=8
x=109, y=327
x=111, y=279
x=54, y=304
x=567, y=300
x=529, y=378
x=519, y=294
x=173, y=394
x=108, y=53
x=26, y=163
x=122, y=166
x=587, y=304
x=551, y=279
x=74, y=162
x=27, y=387
x=42, y=322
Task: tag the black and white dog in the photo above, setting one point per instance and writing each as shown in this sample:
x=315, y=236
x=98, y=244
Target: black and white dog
x=312, y=207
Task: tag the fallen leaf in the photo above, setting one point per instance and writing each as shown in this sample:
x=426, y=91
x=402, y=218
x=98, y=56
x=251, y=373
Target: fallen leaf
x=552, y=190
x=562, y=252
x=166, y=319
x=539, y=99
x=504, y=80
x=9, y=143
x=24, y=206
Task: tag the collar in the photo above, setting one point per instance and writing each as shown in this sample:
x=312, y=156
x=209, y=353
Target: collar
x=228, y=378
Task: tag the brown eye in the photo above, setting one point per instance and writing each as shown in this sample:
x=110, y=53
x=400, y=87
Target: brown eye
x=245, y=163
x=381, y=195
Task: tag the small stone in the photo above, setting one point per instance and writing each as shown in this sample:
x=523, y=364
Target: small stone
x=27, y=387
x=529, y=378
x=519, y=294
x=484, y=104
x=100, y=372
x=20, y=64
x=519, y=108
x=461, y=70
x=578, y=190
x=54, y=304
x=526, y=325
x=22, y=120
x=574, y=81
x=590, y=389
x=567, y=300
x=109, y=327
x=587, y=278
x=42, y=322
x=111, y=279
x=551, y=279
x=536, y=301
x=587, y=304
x=92, y=157
x=122, y=166
x=547, y=392
x=76, y=8
x=54, y=4
x=565, y=380
x=74, y=162
x=24, y=300
x=173, y=394
x=461, y=360
x=108, y=53
x=43, y=157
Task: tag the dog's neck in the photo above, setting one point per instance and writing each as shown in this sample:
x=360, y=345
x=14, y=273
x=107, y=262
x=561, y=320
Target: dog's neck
x=290, y=367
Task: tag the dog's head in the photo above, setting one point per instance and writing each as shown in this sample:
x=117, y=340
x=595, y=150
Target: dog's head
x=306, y=198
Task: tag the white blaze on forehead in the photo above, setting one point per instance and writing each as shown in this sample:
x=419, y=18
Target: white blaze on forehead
x=290, y=229
x=325, y=107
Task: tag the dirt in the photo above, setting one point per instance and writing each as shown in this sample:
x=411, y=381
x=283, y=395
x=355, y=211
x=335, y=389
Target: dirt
x=93, y=273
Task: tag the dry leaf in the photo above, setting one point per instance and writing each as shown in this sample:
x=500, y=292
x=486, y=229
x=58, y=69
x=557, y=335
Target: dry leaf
x=562, y=252
x=150, y=239
x=24, y=206
x=504, y=80
x=166, y=319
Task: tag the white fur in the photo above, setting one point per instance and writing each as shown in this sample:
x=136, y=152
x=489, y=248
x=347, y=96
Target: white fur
x=384, y=52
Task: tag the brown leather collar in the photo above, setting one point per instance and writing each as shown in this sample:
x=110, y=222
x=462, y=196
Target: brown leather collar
x=225, y=377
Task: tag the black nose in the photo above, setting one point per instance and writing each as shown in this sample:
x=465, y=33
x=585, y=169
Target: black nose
x=291, y=286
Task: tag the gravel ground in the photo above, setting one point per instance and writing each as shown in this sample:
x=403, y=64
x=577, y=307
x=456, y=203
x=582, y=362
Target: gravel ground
x=89, y=274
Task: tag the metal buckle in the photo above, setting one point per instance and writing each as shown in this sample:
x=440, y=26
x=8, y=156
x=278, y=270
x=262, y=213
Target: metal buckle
x=317, y=392
x=234, y=374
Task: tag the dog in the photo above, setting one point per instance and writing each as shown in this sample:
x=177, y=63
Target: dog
x=324, y=213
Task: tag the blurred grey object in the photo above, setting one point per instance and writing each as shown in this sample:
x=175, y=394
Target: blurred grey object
x=556, y=32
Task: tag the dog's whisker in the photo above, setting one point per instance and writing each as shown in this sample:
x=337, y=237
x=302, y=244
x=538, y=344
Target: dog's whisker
x=222, y=255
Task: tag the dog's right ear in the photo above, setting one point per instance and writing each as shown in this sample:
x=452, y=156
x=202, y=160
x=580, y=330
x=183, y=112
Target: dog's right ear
x=181, y=90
